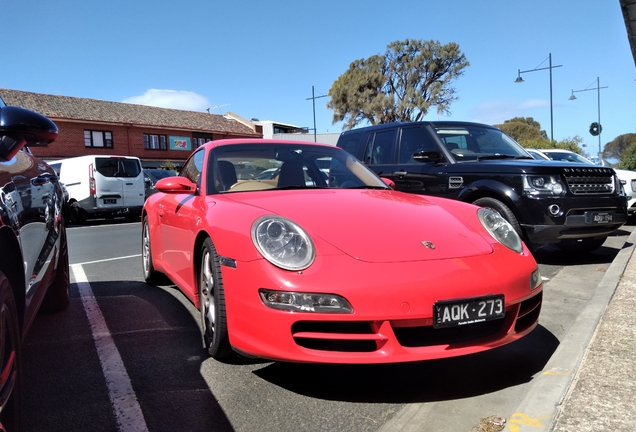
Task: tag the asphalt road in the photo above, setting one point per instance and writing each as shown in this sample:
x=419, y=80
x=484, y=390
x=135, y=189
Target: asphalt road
x=128, y=357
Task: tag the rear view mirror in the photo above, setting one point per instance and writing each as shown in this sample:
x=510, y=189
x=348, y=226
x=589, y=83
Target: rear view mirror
x=20, y=127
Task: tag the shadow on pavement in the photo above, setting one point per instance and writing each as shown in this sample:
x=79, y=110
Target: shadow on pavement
x=159, y=342
x=418, y=382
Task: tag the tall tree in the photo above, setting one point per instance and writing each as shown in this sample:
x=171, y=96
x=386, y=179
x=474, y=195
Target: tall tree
x=402, y=85
x=618, y=145
x=523, y=129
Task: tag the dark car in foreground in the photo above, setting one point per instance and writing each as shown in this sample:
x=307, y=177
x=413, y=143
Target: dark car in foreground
x=573, y=205
x=34, y=269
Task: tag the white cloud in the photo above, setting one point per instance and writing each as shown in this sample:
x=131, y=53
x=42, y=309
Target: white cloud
x=175, y=99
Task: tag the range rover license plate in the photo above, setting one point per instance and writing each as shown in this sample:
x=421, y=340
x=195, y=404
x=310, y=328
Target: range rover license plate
x=449, y=313
x=600, y=218
x=110, y=201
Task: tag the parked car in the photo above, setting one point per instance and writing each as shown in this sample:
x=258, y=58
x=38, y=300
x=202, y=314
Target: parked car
x=346, y=270
x=102, y=186
x=573, y=206
x=152, y=175
x=34, y=269
x=626, y=177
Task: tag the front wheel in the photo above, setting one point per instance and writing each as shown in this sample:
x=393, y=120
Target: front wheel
x=212, y=304
x=10, y=358
x=502, y=209
x=151, y=276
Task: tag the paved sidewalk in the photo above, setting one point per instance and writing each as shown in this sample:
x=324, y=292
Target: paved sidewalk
x=602, y=396
x=589, y=382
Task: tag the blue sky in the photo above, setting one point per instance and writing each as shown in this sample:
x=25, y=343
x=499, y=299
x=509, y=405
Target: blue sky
x=260, y=59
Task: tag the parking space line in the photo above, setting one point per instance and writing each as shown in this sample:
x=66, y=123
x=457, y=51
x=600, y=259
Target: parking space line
x=107, y=259
x=127, y=410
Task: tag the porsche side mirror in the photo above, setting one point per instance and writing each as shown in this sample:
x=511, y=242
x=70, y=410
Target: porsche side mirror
x=175, y=185
x=20, y=127
x=428, y=156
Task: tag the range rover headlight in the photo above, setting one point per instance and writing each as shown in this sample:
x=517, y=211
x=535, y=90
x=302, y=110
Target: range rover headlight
x=283, y=243
x=500, y=229
x=542, y=185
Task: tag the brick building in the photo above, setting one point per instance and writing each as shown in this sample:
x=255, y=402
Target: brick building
x=155, y=135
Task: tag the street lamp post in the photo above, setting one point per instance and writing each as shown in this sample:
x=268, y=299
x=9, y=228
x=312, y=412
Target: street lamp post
x=313, y=100
x=550, y=67
x=598, y=90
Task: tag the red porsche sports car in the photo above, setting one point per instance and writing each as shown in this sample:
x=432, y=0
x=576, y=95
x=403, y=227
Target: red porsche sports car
x=336, y=269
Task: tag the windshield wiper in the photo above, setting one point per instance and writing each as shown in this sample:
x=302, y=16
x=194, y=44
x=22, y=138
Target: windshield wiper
x=366, y=187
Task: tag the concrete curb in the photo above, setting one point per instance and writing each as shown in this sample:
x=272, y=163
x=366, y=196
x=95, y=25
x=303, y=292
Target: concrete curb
x=539, y=408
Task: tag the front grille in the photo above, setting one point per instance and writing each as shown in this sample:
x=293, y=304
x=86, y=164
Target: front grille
x=424, y=336
x=590, y=185
x=337, y=336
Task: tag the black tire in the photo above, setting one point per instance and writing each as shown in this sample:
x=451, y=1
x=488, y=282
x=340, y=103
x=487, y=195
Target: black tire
x=581, y=246
x=502, y=209
x=78, y=216
x=57, y=297
x=11, y=358
x=212, y=305
x=151, y=276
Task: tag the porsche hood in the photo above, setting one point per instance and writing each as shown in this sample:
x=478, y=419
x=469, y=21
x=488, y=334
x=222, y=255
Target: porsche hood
x=376, y=225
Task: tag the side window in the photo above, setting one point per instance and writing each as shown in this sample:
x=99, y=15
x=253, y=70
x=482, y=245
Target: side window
x=193, y=167
x=413, y=140
x=380, y=148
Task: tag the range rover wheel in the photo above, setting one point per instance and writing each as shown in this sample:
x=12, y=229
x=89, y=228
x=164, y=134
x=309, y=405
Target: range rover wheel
x=502, y=209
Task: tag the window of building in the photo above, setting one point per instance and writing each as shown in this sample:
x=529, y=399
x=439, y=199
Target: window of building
x=200, y=138
x=155, y=142
x=93, y=138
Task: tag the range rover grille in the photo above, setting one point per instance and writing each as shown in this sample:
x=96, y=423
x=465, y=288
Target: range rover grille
x=594, y=183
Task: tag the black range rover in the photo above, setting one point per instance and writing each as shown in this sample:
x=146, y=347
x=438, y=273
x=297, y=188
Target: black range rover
x=573, y=205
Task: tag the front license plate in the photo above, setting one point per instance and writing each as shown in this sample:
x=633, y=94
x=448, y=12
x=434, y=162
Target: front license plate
x=600, y=218
x=110, y=201
x=450, y=313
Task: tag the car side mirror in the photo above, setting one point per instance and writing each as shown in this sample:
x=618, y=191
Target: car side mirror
x=175, y=184
x=20, y=127
x=428, y=156
x=390, y=183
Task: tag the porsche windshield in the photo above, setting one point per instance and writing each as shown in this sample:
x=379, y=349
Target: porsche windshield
x=251, y=167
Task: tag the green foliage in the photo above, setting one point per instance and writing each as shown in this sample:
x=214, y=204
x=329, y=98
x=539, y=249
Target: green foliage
x=402, y=85
x=169, y=166
x=523, y=129
x=628, y=158
x=615, y=148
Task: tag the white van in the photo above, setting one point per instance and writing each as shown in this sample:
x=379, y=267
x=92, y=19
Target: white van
x=102, y=186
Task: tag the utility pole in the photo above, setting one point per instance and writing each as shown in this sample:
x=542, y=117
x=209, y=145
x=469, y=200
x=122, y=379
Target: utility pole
x=313, y=100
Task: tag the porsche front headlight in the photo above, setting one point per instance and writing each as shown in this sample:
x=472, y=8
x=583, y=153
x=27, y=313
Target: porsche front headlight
x=283, y=243
x=500, y=229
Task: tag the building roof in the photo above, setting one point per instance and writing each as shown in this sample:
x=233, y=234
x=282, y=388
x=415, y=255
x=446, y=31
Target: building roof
x=98, y=111
x=629, y=13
